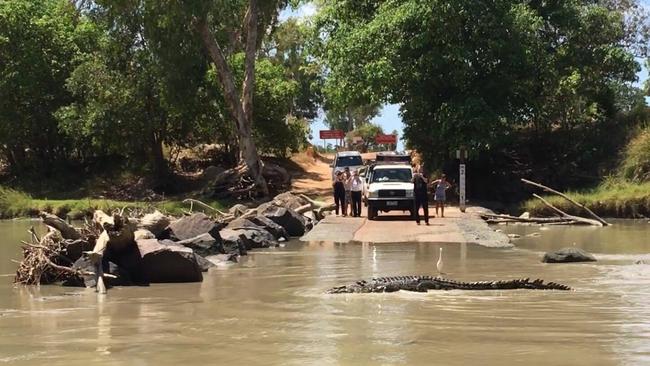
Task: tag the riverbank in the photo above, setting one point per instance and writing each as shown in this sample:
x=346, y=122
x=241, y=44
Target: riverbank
x=15, y=204
x=619, y=199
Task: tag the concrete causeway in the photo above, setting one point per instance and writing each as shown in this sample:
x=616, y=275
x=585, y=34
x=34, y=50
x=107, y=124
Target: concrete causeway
x=395, y=227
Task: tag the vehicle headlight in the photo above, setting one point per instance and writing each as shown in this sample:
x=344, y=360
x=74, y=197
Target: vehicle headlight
x=373, y=194
x=409, y=193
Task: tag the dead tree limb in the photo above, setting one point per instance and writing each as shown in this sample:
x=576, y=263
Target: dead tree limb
x=67, y=231
x=566, y=215
x=192, y=201
x=551, y=190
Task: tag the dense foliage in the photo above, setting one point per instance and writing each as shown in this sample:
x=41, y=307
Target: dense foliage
x=532, y=87
x=129, y=82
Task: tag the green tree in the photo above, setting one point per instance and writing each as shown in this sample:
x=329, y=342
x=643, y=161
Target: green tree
x=367, y=132
x=478, y=73
x=126, y=103
x=39, y=44
x=348, y=118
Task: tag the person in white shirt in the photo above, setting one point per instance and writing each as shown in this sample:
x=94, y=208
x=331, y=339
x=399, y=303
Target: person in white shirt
x=356, y=186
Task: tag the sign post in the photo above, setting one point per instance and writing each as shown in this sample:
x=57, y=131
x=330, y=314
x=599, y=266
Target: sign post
x=461, y=154
x=386, y=139
x=331, y=135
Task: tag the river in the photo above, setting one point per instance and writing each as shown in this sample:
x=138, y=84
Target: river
x=270, y=309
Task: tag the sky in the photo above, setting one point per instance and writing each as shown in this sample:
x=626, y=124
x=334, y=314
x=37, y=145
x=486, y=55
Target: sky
x=389, y=118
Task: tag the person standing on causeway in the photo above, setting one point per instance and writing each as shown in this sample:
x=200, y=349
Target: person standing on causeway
x=420, y=195
x=356, y=185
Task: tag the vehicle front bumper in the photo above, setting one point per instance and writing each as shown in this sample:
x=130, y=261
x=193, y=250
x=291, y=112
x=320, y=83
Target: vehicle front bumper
x=392, y=204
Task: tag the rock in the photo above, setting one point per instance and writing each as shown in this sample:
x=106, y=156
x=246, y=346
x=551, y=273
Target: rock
x=203, y=263
x=289, y=200
x=192, y=226
x=525, y=215
x=269, y=225
x=289, y=219
x=251, y=238
x=203, y=245
x=640, y=261
x=220, y=259
x=240, y=223
x=568, y=255
x=534, y=235
x=514, y=236
x=168, y=263
x=238, y=210
x=154, y=222
x=143, y=234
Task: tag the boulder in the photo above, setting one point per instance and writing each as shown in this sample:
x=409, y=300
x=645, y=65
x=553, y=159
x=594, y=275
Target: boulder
x=269, y=225
x=240, y=223
x=251, y=238
x=238, y=210
x=290, y=220
x=203, y=263
x=289, y=200
x=154, y=222
x=168, y=263
x=220, y=259
x=568, y=255
x=143, y=234
x=192, y=226
x=203, y=245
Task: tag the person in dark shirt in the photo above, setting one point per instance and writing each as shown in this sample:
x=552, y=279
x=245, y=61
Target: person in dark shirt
x=420, y=195
x=339, y=194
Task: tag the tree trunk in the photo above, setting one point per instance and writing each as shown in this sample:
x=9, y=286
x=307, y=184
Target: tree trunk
x=157, y=158
x=241, y=109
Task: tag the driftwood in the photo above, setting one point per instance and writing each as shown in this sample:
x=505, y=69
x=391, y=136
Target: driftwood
x=317, y=206
x=67, y=231
x=563, y=214
x=496, y=218
x=192, y=201
x=42, y=258
x=551, y=190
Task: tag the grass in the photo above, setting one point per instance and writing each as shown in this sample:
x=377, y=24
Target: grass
x=18, y=204
x=613, y=198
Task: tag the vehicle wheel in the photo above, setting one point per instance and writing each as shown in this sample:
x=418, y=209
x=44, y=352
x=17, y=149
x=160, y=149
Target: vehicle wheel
x=412, y=214
x=372, y=212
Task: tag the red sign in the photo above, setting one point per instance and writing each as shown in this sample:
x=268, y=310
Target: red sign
x=386, y=139
x=331, y=134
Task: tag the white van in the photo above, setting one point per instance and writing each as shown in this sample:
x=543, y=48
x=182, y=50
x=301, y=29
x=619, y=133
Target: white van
x=346, y=159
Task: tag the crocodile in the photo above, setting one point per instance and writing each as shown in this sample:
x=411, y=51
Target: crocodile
x=425, y=283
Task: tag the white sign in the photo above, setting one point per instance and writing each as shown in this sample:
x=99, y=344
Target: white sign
x=461, y=170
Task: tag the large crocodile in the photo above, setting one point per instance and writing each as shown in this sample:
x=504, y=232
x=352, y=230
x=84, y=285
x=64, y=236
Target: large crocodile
x=425, y=283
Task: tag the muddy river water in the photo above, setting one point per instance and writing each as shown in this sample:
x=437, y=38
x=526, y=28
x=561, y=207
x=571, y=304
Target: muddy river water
x=270, y=309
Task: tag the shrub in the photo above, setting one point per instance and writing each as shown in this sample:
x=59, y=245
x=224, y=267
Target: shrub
x=636, y=163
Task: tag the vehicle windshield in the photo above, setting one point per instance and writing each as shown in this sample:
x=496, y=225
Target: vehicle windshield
x=354, y=160
x=392, y=175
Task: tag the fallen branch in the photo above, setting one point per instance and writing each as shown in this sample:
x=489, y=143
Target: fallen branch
x=192, y=201
x=566, y=215
x=67, y=231
x=551, y=190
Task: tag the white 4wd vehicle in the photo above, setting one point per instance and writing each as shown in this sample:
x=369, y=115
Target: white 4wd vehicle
x=346, y=159
x=389, y=188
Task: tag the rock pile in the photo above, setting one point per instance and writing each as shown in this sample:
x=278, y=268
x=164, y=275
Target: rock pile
x=157, y=248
